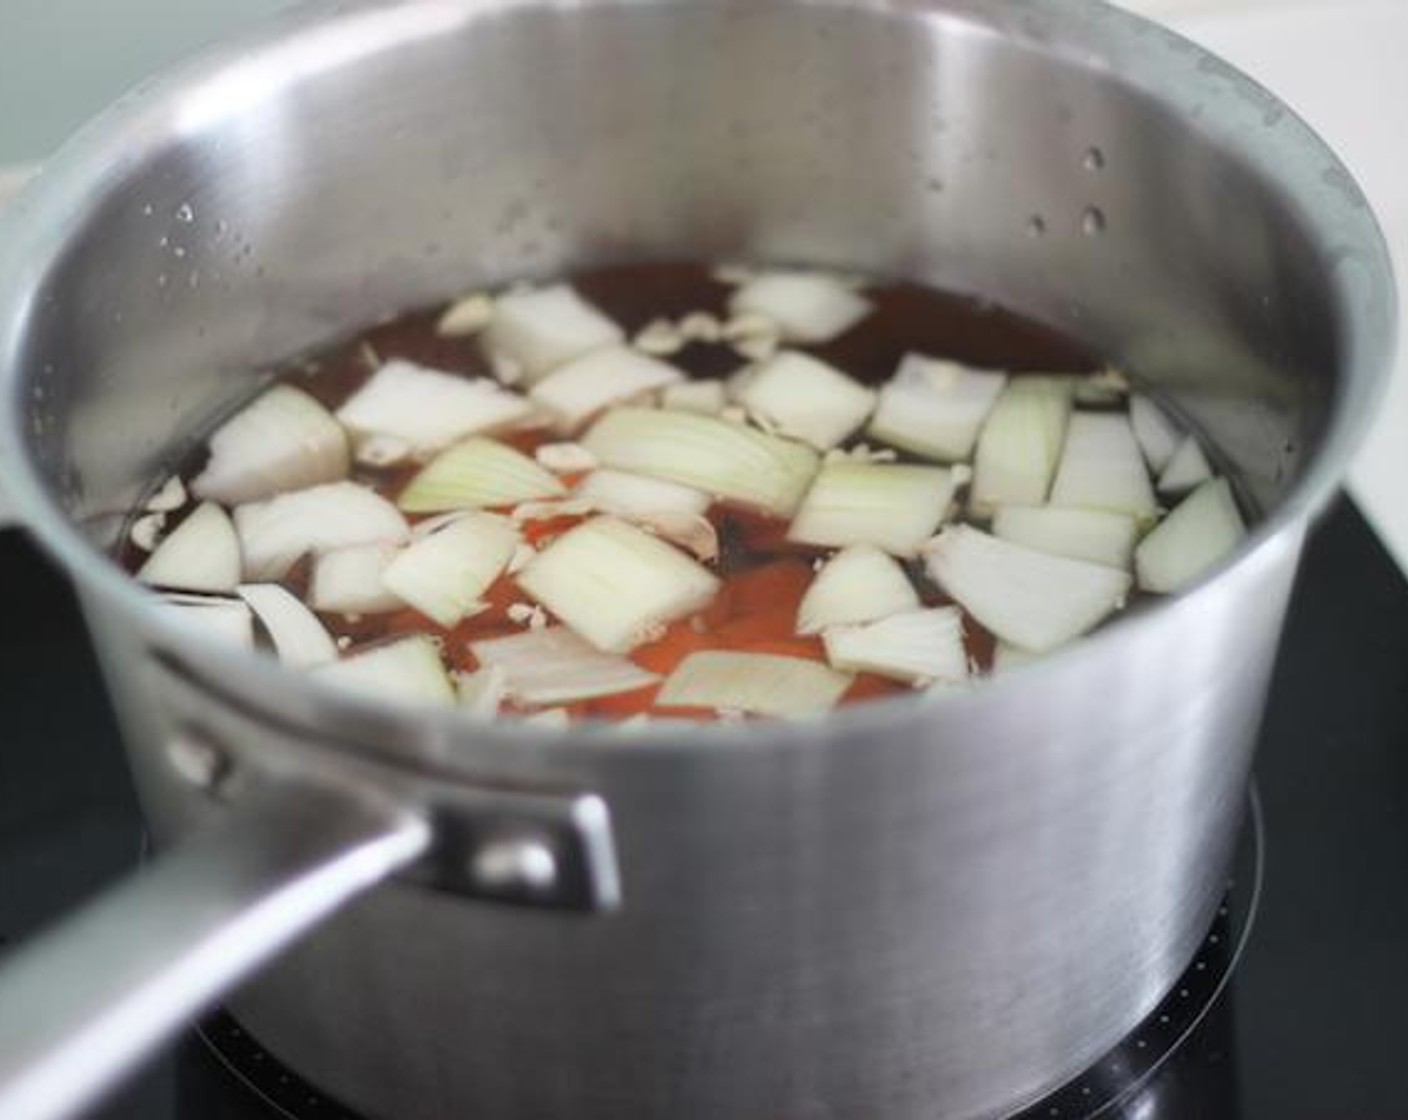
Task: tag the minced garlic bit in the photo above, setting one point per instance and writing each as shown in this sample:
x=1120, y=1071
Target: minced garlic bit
x=171, y=497
x=701, y=326
x=368, y=355
x=652, y=633
x=508, y=371
x=762, y=423
x=528, y=614
x=382, y=451
x=733, y=274
x=691, y=531
x=466, y=317
x=147, y=530
x=861, y=453
x=660, y=338
x=566, y=458
x=546, y=511
x=751, y=324
x=758, y=348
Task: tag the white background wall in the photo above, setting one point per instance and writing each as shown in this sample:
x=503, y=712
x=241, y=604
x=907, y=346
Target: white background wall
x=63, y=60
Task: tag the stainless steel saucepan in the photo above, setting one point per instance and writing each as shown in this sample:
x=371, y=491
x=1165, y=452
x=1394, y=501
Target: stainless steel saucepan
x=912, y=910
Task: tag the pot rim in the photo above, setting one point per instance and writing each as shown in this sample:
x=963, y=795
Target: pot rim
x=32, y=234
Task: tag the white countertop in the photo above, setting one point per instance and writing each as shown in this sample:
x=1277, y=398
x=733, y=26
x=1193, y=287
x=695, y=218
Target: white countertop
x=1340, y=64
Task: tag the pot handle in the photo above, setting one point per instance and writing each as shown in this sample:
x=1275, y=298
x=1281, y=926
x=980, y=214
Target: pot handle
x=99, y=993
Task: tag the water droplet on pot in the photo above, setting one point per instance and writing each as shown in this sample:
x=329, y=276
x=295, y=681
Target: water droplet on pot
x=184, y=214
x=1092, y=223
x=1094, y=160
x=1036, y=226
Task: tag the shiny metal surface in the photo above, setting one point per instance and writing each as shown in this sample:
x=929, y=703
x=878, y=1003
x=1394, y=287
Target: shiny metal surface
x=78, y=1009
x=908, y=911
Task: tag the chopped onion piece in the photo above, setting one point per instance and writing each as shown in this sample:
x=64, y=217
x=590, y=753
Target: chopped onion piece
x=727, y=461
x=809, y=307
x=760, y=683
x=479, y=473
x=797, y=395
x=444, y=575
x=482, y=693
x=859, y=584
x=615, y=584
x=541, y=329
x=425, y=409
x=1028, y=598
x=1021, y=444
x=585, y=386
x=1187, y=470
x=554, y=666
x=299, y=638
x=201, y=554
x=408, y=670
x=893, y=507
x=284, y=440
x=1081, y=534
x=274, y=534
x=226, y=620
x=918, y=647
x=1102, y=468
x=1204, y=530
x=704, y=397
x=348, y=581
x=936, y=408
x=635, y=495
x=1158, y=436
x=466, y=317
x=553, y=719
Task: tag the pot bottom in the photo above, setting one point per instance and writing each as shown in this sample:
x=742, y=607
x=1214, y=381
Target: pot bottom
x=1114, y=1080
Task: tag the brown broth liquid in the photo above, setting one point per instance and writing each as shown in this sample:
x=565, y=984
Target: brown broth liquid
x=764, y=575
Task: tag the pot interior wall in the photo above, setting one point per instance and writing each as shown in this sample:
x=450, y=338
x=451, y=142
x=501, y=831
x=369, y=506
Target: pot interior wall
x=401, y=154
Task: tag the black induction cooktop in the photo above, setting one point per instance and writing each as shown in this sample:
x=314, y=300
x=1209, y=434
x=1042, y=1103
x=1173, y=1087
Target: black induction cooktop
x=1309, y=1024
